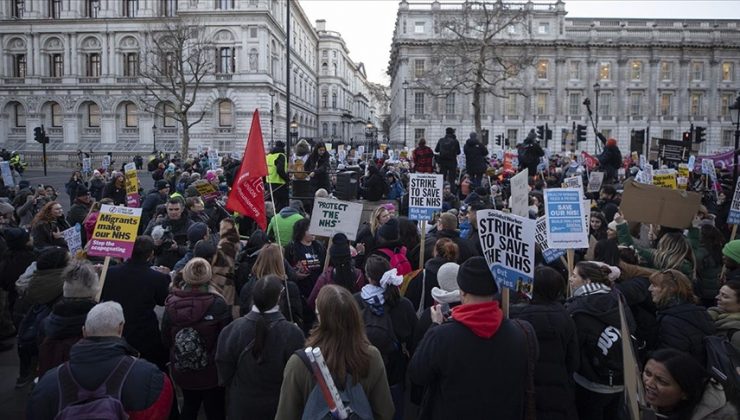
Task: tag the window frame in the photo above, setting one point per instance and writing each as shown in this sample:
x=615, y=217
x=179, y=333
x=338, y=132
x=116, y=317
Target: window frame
x=56, y=65
x=129, y=8
x=94, y=65
x=224, y=4
x=697, y=68
x=93, y=115
x=55, y=9
x=168, y=120
x=419, y=105
x=57, y=115
x=131, y=115
x=226, y=60
x=666, y=68
x=20, y=66
x=420, y=24
x=574, y=106
x=131, y=64
x=542, y=103
x=729, y=73
x=225, y=116
x=18, y=116
x=419, y=70
x=605, y=104
x=636, y=68
x=636, y=99
x=696, y=107
x=542, y=69
x=665, y=109
x=512, y=104
x=18, y=7
x=605, y=68
x=450, y=102
x=574, y=66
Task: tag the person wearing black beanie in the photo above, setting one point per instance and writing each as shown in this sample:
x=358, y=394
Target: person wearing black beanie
x=341, y=270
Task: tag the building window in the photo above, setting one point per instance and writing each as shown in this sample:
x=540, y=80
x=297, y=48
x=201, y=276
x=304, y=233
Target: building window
x=542, y=69
x=225, y=4
x=19, y=65
x=20, y=115
x=169, y=8
x=325, y=130
x=18, y=7
x=543, y=28
x=727, y=72
x=695, y=104
x=419, y=133
x=418, y=27
x=636, y=70
x=728, y=138
x=666, y=70
x=419, y=68
x=93, y=115
x=574, y=70
x=168, y=64
x=334, y=100
x=724, y=104
x=91, y=8
x=450, y=104
x=511, y=105
x=225, y=63
x=55, y=9
x=636, y=104
x=225, y=114
x=333, y=129
x=542, y=99
x=511, y=136
x=131, y=115
x=93, y=65
x=419, y=103
x=56, y=115
x=129, y=8
x=324, y=100
x=667, y=134
x=56, y=65
x=665, y=104
x=131, y=65
x=169, y=116
x=605, y=71
x=697, y=71
x=605, y=104
x=574, y=103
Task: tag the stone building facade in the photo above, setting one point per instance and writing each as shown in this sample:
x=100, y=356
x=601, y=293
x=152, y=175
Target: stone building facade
x=73, y=66
x=657, y=74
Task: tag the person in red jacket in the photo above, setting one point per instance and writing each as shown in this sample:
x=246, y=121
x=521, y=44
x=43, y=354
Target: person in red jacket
x=423, y=158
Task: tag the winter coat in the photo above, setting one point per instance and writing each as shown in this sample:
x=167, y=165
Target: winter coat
x=71, y=187
x=96, y=188
x=475, y=157
x=151, y=201
x=450, y=143
x=648, y=254
x=708, y=269
x=43, y=287
x=559, y=358
x=313, y=256
x=12, y=264
x=89, y=223
x=60, y=331
x=147, y=392
x=462, y=362
x=464, y=247
x=42, y=233
x=78, y=212
x=425, y=280
x=298, y=382
x=375, y=186
x=683, y=327
x=610, y=160
x=529, y=156
x=319, y=167
x=138, y=289
x=327, y=277
x=423, y=158
x=638, y=298
x=726, y=325
x=222, y=279
x=208, y=314
x=253, y=386
x=714, y=405
x=118, y=195
x=177, y=228
x=291, y=305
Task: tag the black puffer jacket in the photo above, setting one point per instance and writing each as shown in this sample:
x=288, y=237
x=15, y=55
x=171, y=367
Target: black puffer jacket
x=683, y=327
x=559, y=358
x=475, y=156
x=429, y=279
x=638, y=298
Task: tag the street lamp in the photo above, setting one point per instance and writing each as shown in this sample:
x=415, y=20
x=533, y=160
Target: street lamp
x=405, y=85
x=597, y=90
x=736, y=107
x=293, y=131
x=272, y=116
x=154, y=135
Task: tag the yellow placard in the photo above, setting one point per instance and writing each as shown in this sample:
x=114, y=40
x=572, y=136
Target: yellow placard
x=683, y=170
x=115, y=232
x=205, y=188
x=665, y=180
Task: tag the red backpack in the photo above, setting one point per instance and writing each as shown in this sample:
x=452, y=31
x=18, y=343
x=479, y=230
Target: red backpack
x=398, y=259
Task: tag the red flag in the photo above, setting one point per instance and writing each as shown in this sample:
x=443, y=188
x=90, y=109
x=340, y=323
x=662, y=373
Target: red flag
x=589, y=161
x=247, y=196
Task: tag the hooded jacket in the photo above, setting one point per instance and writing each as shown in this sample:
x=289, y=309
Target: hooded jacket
x=61, y=330
x=461, y=363
x=475, y=156
x=683, y=327
x=375, y=185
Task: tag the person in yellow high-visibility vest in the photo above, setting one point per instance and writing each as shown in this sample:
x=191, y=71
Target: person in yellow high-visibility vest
x=277, y=175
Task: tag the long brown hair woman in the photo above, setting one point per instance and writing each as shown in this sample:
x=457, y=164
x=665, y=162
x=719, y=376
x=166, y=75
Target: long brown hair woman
x=47, y=226
x=340, y=334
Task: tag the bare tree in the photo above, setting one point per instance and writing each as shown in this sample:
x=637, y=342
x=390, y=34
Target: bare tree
x=177, y=60
x=482, y=47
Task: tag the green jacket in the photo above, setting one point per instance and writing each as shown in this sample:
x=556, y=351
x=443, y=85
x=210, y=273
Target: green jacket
x=727, y=325
x=648, y=254
x=708, y=270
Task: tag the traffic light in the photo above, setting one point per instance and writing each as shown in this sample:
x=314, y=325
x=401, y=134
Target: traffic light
x=686, y=136
x=499, y=138
x=581, y=133
x=548, y=133
x=700, y=134
x=38, y=135
x=541, y=132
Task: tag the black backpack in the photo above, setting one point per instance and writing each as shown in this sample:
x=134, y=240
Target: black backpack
x=447, y=150
x=379, y=330
x=723, y=362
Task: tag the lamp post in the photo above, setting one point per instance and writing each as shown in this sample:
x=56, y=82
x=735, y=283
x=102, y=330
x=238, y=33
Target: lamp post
x=293, y=131
x=272, y=117
x=405, y=85
x=597, y=89
x=154, y=136
x=736, y=107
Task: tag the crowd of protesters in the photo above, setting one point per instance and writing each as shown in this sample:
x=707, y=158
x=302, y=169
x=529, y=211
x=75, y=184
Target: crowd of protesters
x=407, y=329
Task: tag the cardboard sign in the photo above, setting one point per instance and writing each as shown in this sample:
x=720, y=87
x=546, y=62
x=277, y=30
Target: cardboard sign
x=73, y=237
x=106, y=162
x=425, y=195
x=661, y=206
x=133, y=199
x=86, y=165
x=115, y=232
x=207, y=191
x=564, y=211
x=508, y=246
x=574, y=182
x=520, y=193
x=334, y=216
x=548, y=253
x=665, y=178
x=7, y=174
x=734, y=217
x=595, y=180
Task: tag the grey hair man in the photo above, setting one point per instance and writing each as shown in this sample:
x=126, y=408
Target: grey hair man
x=104, y=320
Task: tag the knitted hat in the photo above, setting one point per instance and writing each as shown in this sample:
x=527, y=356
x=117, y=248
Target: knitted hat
x=475, y=277
x=197, y=272
x=16, y=238
x=449, y=130
x=81, y=191
x=339, y=246
x=52, y=257
x=161, y=184
x=204, y=249
x=197, y=231
x=390, y=231
x=210, y=176
x=6, y=209
x=448, y=290
x=732, y=250
x=612, y=226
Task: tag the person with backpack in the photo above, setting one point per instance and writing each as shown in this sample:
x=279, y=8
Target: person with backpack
x=476, y=161
x=341, y=270
x=389, y=246
x=252, y=352
x=102, y=378
x=447, y=150
x=594, y=308
x=529, y=153
x=678, y=387
x=389, y=322
x=682, y=324
x=419, y=289
x=726, y=314
x=356, y=366
x=193, y=318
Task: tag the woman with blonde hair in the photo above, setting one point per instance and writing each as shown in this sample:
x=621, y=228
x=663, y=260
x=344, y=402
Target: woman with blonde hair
x=682, y=324
x=340, y=334
x=366, y=236
x=270, y=261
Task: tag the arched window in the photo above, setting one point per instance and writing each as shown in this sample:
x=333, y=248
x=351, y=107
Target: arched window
x=324, y=129
x=333, y=129
x=56, y=115
x=93, y=115
x=225, y=114
x=334, y=100
x=19, y=114
x=131, y=115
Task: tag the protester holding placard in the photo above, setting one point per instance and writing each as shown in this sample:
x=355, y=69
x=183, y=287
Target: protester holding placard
x=340, y=270
x=306, y=255
x=47, y=226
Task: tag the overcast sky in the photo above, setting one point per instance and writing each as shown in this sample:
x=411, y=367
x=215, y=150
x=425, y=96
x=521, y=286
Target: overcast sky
x=367, y=25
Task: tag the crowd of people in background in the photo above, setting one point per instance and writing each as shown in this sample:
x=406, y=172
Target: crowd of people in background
x=408, y=329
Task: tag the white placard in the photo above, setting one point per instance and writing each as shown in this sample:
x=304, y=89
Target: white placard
x=335, y=216
x=106, y=162
x=520, y=193
x=564, y=210
x=425, y=195
x=7, y=174
x=595, y=180
x=73, y=237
